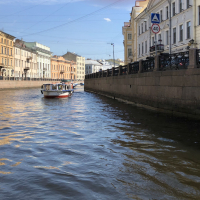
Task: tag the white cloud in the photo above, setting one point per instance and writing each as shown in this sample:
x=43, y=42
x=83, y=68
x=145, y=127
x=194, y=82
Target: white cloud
x=107, y=19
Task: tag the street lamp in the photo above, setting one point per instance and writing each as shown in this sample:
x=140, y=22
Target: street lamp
x=113, y=54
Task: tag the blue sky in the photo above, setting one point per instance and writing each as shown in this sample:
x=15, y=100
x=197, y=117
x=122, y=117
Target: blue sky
x=85, y=27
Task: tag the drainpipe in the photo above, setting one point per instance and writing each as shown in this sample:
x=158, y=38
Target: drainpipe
x=195, y=23
x=170, y=28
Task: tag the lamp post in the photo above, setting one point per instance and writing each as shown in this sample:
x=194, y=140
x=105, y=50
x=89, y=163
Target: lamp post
x=113, y=54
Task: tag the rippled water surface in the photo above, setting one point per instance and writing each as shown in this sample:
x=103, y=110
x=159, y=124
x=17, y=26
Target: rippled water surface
x=91, y=147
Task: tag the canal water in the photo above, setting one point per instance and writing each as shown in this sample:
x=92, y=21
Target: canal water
x=91, y=147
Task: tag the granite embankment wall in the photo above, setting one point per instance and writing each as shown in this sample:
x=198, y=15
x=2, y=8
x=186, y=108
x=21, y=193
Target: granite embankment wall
x=6, y=84
x=175, y=92
x=11, y=84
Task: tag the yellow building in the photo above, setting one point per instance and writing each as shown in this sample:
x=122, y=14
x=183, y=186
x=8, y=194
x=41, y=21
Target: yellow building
x=62, y=68
x=7, y=54
x=129, y=31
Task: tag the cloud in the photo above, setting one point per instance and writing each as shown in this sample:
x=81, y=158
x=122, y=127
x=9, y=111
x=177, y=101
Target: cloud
x=107, y=19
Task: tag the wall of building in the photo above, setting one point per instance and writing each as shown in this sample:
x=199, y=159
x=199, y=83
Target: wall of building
x=175, y=92
x=60, y=68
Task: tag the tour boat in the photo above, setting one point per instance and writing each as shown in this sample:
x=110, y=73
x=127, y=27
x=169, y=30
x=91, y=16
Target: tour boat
x=58, y=90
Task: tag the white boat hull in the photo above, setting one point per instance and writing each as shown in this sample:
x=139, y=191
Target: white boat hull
x=57, y=94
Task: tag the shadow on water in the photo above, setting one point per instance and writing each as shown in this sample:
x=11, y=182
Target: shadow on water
x=178, y=129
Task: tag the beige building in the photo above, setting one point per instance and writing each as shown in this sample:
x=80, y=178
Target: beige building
x=129, y=31
x=80, y=64
x=62, y=69
x=6, y=55
x=25, y=61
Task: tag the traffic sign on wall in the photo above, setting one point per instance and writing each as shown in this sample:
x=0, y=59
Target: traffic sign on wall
x=155, y=18
x=155, y=28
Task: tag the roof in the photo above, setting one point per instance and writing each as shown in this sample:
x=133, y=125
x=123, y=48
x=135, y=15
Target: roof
x=92, y=62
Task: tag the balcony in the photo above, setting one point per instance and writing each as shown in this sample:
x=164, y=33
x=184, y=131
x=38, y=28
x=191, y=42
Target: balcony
x=160, y=48
x=28, y=59
x=126, y=24
x=62, y=72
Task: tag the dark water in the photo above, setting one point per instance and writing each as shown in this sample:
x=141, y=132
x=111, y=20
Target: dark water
x=91, y=147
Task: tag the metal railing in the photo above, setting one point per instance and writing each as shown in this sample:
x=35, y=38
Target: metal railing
x=11, y=78
x=174, y=61
x=124, y=70
x=198, y=58
x=133, y=68
x=148, y=65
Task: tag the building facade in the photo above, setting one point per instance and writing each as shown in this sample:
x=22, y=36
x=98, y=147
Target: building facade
x=43, y=58
x=182, y=28
x=62, y=68
x=139, y=40
x=80, y=64
x=129, y=31
x=25, y=61
x=7, y=54
x=92, y=66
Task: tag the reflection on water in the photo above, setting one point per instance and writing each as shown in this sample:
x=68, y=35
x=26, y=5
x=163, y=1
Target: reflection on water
x=91, y=147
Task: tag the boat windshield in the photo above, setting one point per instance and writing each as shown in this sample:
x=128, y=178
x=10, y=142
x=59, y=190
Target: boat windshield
x=60, y=87
x=54, y=87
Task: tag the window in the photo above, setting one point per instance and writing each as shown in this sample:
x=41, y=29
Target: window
x=188, y=29
x=1, y=40
x=2, y=50
x=180, y=5
x=199, y=15
x=173, y=9
x=129, y=36
x=174, y=35
x=139, y=49
x=145, y=46
x=8, y=61
x=139, y=30
x=161, y=16
x=188, y=3
x=145, y=26
x=142, y=47
x=8, y=51
x=11, y=62
x=11, y=52
x=2, y=60
x=159, y=39
x=142, y=28
x=152, y=41
x=5, y=50
x=167, y=12
x=181, y=32
x=5, y=61
x=167, y=37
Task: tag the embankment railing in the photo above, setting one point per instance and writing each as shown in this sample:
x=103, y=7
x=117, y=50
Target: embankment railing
x=162, y=62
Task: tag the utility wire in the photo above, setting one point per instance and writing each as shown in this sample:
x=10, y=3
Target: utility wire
x=75, y=19
x=24, y=10
x=46, y=17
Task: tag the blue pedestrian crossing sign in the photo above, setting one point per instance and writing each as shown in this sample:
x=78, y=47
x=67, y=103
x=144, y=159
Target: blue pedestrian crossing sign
x=155, y=18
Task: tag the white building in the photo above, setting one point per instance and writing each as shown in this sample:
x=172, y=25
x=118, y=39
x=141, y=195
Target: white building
x=182, y=27
x=43, y=58
x=25, y=60
x=105, y=64
x=92, y=66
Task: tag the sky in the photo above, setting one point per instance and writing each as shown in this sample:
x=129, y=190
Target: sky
x=85, y=27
